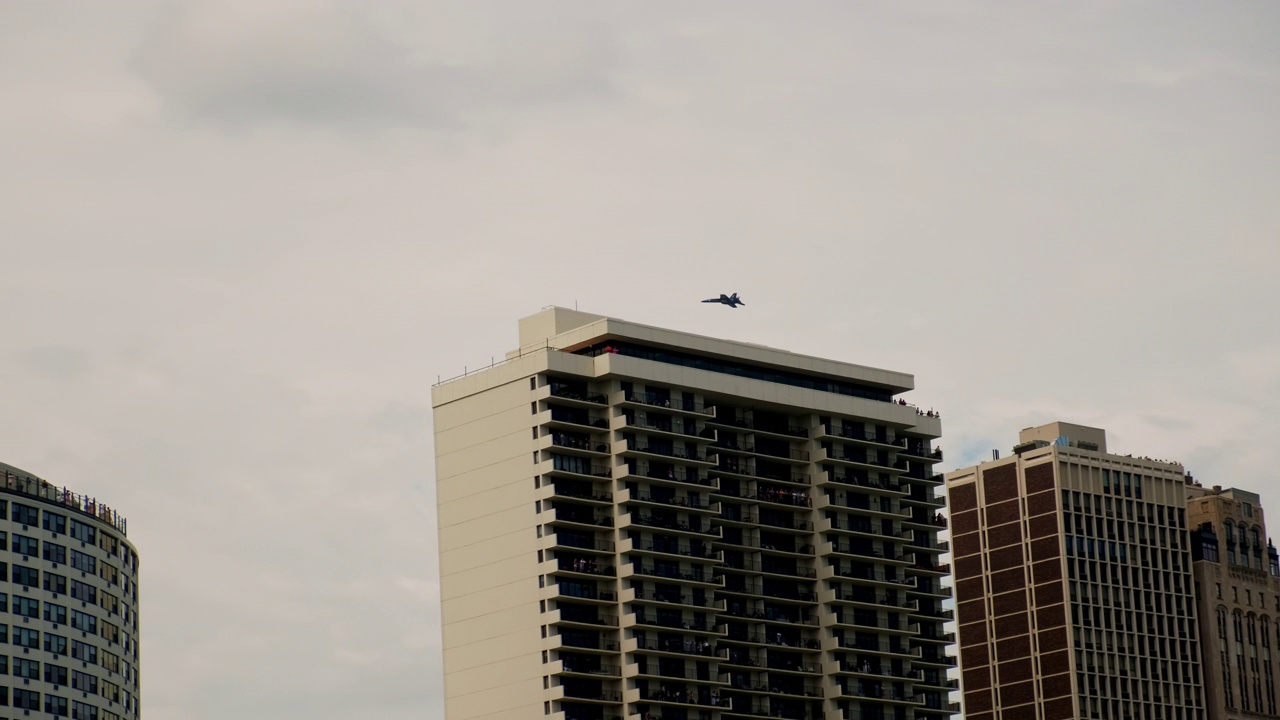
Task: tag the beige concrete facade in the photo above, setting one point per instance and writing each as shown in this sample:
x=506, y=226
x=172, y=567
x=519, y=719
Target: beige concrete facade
x=1238, y=598
x=71, y=632
x=642, y=523
x=1073, y=583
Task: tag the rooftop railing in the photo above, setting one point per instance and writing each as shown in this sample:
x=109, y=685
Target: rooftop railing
x=83, y=504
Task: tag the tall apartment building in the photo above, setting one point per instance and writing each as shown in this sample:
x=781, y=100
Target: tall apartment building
x=1237, y=576
x=70, y=631
x=1073, y=583
x=642, y=523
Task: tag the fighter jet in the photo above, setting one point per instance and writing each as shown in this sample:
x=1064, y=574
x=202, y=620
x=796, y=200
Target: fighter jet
x=730, y=300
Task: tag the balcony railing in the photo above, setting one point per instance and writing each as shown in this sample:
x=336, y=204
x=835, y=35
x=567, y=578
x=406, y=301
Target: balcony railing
x=568, y=392
x=865, y=482
x=64, y=498
x=685, y=646
x=675, y=623
x=898, y=648
x=662, y=572
x=598, y=695
x=583, y=543
x=586, y=566
x=565, y=515
x=677, y=453
x=669, y=472
x=693, y=501
x=705, y=553
x=739, y=466
x=568, y=615
x=670, y=524
x=874, y=575
x=666, y=401
x=586, y=668
x=853, y=434
x=684, y=697
x=675, y=598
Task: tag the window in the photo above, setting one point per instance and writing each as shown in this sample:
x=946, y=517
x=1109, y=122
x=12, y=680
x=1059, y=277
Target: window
x=56, y=644
x=55, y=705
x=26, y=637
x=26, y=576
x=25, y=514
x=84, y=562
x=24, y=668
x=55, y=553
x=84, y=622
x=83, y=651
x=84, y=682
x=53, y=522
x=26, y=699
x=55, y=583
x=1248, y=510
x=82, y=591
x=24, y=545
x=55, y=613
x=83, y=533
x=82, y=711
x=26, y=607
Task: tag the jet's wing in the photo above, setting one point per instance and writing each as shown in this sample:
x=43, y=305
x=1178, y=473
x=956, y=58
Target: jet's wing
x=716, y=300
x=724, y=298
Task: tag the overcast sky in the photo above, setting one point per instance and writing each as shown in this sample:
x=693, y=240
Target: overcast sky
x=240, y=240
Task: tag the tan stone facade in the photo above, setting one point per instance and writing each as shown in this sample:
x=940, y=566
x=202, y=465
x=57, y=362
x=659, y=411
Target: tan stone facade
x=1238, y=594
x=1073, y=584
x=644, y=524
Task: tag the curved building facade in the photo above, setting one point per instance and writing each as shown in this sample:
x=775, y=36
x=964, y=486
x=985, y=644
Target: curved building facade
x=68, y=604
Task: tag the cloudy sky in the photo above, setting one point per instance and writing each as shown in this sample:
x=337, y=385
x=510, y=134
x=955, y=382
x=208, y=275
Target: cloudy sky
x=240, y=240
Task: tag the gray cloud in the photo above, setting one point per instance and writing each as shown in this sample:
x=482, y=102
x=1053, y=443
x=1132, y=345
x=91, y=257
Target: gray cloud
x=55, y=361
x=328, y=65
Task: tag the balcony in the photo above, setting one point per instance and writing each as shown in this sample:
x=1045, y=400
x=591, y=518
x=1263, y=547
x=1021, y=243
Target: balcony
x=575, y=444
x=585, y=566
x=672, y=598
x=860, y=526
x=658, y=571
x=678, y=623
x=572, y=418
x=568, y=692
x=666, y=402
x=693, y=503
x=745, y=468
x=571, y=466
x=575, y=393
x=935, y=658
x=929, y=544
x=917, y=452
x=742, y=422
x=931, y=569
x=876, y=670
x=665, y=425
x=575, y=666
x=567, y=491
x=857, y=461
x=698, y=647
x=894, y=625
x=849, y=432
x=864, y=554
x=667, y=474
x=668, y=547
x=879, y=647
x=580, y=616
x=873, y=576
x=871, y=600
x=589, y=641
x=685, y=696
x=577, y=517
x=684, y=455
x=929, y=586
x=562, y=540
x=878, y=486
x=861, y=505
x=693, y=526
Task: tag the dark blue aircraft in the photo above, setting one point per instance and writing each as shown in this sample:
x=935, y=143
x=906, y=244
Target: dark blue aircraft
x=730, y=300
